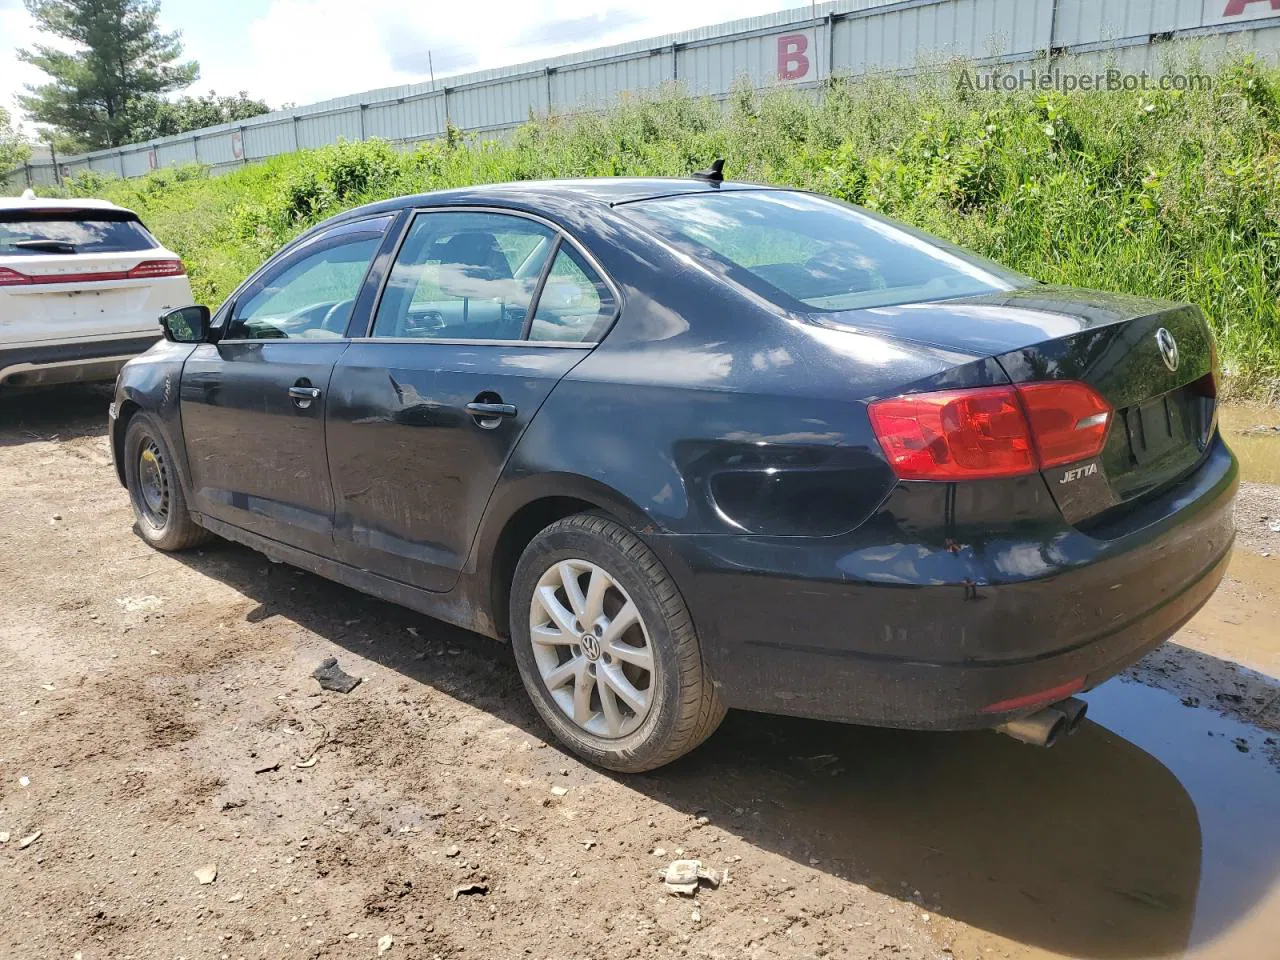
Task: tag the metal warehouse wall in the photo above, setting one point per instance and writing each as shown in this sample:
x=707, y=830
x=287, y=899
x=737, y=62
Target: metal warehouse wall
x=801, y=48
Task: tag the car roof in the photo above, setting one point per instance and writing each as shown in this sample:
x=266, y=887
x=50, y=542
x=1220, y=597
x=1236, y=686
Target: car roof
x=611, y=191
x=50, y=204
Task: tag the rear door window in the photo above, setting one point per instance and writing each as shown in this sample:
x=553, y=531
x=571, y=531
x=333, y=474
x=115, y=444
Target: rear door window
x=575, y=305
x=464, y=276
x=35, y=233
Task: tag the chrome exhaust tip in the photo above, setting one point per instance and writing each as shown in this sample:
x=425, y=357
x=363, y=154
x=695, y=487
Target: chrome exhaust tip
x=1040, y=729
x=1074, y=709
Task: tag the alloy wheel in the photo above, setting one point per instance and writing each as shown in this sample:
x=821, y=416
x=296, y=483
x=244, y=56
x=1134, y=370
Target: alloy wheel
x=592, y=648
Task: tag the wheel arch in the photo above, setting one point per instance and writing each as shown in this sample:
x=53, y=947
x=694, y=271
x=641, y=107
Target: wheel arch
x=163, y=409
x=151, y=384
x=527, y=508
x=128, y=408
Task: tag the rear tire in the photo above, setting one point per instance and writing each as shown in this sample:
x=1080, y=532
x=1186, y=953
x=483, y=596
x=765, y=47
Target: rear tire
x=150, y=474
x=606, y=647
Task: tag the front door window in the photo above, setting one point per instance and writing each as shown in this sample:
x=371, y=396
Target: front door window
x=309, y=295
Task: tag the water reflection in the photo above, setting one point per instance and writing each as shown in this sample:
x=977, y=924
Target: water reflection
x=1237, y=799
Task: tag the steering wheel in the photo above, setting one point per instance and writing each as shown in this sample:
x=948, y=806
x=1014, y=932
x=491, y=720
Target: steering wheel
x=334, y=314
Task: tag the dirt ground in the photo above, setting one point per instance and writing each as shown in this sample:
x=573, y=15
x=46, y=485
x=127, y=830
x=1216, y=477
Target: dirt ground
x=157, y=717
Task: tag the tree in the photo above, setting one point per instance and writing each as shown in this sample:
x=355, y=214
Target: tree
x=153, y=117
x=120, y=58
x=13, y=152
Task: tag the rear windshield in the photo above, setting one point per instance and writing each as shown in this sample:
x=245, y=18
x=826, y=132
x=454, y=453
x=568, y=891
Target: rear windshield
x=808, y=253
x=37, y=234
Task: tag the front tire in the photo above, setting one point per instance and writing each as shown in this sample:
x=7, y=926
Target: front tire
x=606, y=647
x=150, y=474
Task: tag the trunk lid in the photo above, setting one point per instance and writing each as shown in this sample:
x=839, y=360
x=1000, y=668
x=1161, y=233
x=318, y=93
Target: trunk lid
x=1164, y=409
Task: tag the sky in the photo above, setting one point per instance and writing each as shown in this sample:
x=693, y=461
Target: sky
x=301, y=51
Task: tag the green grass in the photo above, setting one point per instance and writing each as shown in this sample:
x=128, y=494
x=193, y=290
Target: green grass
x=1173, y=195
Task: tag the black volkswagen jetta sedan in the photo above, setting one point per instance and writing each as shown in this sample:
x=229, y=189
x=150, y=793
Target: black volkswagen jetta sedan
x=691, y=445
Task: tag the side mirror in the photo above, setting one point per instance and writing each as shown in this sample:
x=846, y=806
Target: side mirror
x=186, y=324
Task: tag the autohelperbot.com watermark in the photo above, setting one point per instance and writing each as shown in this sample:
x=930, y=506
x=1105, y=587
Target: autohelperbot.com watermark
x=1026, y=79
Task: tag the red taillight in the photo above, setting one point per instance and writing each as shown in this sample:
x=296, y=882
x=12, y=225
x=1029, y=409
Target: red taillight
x=955, y=434
x=1068, y=420
x=990, y=431
x=157, y=268
x=143, y=271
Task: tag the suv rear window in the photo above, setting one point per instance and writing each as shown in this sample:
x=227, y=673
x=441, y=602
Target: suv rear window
x=810, y=254
x=42, y=233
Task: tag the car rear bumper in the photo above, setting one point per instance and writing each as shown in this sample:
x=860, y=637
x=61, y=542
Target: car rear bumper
x=932, y=635
x=80, y=361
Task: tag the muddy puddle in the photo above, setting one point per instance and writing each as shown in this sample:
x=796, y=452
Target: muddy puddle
x=1170, y=848
x=1253, y=432
x=1147, y=834
x=1241, y=624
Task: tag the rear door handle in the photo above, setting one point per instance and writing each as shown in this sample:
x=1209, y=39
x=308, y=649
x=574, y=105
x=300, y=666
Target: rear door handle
x=489, y=416
x=491, y=409
x=302, y=397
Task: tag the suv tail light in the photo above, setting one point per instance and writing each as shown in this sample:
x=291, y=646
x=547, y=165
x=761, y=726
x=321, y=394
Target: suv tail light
x=143, y=271
x=157, y=268
x=990, y=431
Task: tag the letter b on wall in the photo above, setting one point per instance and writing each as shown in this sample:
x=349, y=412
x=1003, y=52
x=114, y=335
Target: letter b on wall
x=793, y=60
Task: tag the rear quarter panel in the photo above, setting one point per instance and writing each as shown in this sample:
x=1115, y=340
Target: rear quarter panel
x=706, y=410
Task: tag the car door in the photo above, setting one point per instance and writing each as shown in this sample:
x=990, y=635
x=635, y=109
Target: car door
x=482, y=313
x=253, y=403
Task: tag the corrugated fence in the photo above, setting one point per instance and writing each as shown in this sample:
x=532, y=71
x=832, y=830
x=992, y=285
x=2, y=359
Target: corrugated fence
x=801, y=48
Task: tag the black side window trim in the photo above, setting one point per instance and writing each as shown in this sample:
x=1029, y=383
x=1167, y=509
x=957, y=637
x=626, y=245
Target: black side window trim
x=537, y=290
x=561, y=237
x=365, y=310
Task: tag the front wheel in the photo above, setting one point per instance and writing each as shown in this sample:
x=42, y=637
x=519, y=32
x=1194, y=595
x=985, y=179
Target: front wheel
x=606, y=647
x=159, y=505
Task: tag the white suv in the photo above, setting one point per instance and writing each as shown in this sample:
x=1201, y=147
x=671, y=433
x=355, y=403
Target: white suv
x=82, y=285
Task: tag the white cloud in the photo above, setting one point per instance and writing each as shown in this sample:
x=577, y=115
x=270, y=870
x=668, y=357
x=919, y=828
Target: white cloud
x=301, y=51
x=18, y=32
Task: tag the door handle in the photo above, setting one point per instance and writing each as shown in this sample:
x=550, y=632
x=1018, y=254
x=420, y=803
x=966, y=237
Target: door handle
x=489, y=415
x=302, y=397
x=491, y=409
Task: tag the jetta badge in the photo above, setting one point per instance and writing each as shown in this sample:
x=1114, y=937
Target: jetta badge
x=1168, y=348
x=1071, y=476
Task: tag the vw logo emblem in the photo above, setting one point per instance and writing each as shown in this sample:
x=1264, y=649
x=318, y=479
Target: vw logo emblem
x=1168, y=348
x=590, y=647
